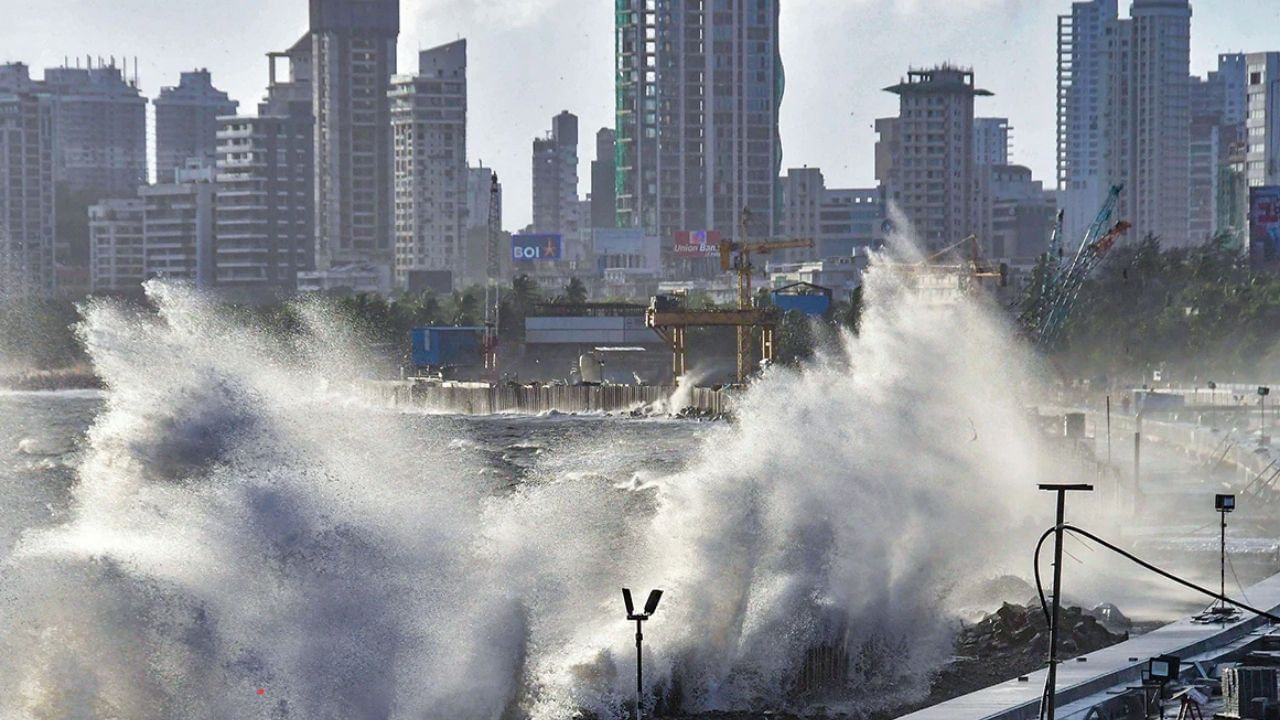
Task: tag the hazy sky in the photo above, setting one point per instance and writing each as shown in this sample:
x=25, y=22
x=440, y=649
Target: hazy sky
x=529, y=59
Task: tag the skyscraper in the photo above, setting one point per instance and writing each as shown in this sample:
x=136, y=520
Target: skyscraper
x=100, y=127
x=555, y=177
x=99, y=150
x=480, y=184
x=1124, y=115
x=930, y=171
x=1087, y=69
x=1263, y=120
x=604, y=171
x=353, y=49
x=187, y=122
x=699, y=88
x=265, y=210
x=429, y=124
x=1152, y=152
x=26, y=195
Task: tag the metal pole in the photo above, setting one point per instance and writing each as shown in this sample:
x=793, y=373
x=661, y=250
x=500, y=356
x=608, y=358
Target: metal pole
x=1108, y=432
x=1049, y=702
x=1057, y=605
x=639, y=667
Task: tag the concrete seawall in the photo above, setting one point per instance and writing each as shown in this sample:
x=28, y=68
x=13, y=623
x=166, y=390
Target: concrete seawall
x=476, y=399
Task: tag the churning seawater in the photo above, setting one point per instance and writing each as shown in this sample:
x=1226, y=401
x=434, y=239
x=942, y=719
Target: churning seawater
x=227, y=533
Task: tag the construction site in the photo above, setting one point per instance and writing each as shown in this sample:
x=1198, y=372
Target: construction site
x=674, y=341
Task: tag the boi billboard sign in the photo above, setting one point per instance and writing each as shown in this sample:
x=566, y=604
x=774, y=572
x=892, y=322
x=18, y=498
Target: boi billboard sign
x=537, y=248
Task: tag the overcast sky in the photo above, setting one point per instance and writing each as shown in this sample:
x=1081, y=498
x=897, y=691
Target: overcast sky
x=529, y=59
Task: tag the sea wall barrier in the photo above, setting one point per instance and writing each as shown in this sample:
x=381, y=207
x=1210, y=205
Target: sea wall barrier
x=483, y=399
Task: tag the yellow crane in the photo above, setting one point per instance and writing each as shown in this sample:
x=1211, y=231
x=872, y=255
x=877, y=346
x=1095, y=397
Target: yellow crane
x=669, y=317
x=736, y=256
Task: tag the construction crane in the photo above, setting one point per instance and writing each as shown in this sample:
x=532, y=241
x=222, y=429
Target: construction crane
x=953, y=277
x=492, y=290
x=736, y=256
x=669, y=317
x=1062, y=284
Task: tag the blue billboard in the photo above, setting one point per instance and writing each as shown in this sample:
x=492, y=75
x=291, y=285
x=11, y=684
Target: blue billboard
x=537, y=248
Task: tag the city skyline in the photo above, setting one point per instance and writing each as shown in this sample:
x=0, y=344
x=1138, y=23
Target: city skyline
x=826, y=117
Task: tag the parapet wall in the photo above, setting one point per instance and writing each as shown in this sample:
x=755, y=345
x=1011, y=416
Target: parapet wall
x=475, y=399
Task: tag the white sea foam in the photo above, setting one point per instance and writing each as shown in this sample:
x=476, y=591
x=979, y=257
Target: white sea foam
x=237, y=528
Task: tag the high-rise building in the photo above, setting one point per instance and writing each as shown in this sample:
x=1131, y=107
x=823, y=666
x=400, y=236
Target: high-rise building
x=604, y=172
x=480, y=182
x=1152, y=152
x=353, y=56
x=26, y=195
x=837, y=220
x=265, y=211
x=699, y=87
x=100, y=126
x=99, y=150
x=991, y=141
x=1087, y=70
x=429, y=124
x=1015, y=214
x=117, y=246
x=1124, y=115
x=1222, y=91
x=187, y=122
x=1217, y=133
x=1263, y=120
x=1203, y=169
x=555, y=177
x=178, y=226
x=929, y=151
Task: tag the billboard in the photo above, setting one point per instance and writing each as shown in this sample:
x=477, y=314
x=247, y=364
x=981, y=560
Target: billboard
x=1264, y=225
x=619, y=241
x=697, y=244
x=537, y=248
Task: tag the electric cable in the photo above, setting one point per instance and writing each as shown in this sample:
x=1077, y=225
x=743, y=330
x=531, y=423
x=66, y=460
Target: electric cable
x=1044, y=605
x=1143, y=563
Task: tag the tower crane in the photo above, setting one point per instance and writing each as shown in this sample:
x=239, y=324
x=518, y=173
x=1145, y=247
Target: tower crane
x=670, y=318
x=736, y=256
x=492, y=291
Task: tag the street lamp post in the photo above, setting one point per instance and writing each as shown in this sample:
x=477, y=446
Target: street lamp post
x=650, y=606
x=1049, y=701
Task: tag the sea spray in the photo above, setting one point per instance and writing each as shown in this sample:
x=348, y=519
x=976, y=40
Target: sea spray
x=849, y=499
x=242, y=525
x=235, y=530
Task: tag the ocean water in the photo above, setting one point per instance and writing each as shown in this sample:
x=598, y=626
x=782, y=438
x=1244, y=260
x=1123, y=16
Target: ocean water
x=228, y=532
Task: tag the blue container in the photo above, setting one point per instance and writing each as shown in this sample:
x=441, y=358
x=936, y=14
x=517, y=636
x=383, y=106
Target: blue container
x=812, y=305
x=439, y=347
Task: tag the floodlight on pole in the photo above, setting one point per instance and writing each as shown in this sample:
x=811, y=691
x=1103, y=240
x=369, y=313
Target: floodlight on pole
x=650, y=606
x=1223, y=504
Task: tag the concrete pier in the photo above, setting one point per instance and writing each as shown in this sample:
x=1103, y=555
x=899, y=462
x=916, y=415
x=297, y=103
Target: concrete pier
x=1089, y=683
